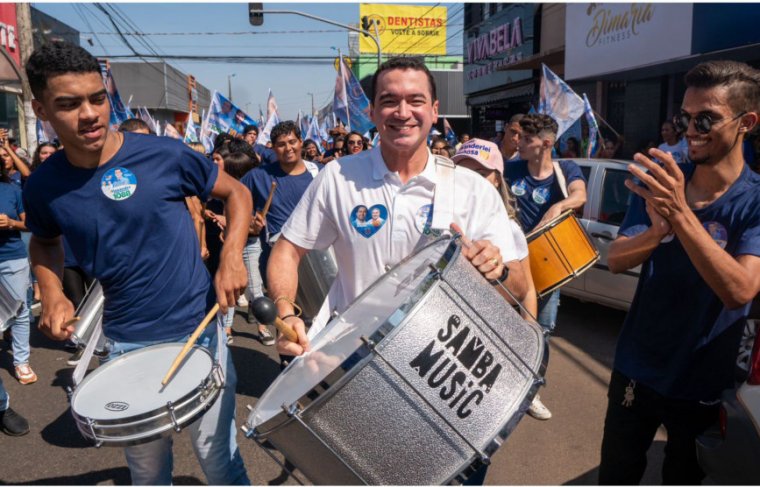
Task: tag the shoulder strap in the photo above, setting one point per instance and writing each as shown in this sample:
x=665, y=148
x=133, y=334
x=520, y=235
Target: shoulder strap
x=312, y=168
x=443, y=200
x=560, y=176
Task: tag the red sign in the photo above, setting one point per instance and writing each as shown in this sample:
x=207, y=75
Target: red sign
x=8, y=30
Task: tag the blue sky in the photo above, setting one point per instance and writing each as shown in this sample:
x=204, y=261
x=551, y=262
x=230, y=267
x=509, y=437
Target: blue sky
x=289, y=82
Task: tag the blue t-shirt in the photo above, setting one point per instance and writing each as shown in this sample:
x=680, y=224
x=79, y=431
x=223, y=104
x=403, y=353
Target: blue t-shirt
x=535, y=196
x=11, y=245
x=127, y=226
x=678, y=337
x=288, y=193
x=267, y=155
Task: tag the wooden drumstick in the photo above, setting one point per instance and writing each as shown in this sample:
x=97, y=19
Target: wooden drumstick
x=265, y=311
x=190, y=342
x=269, y=200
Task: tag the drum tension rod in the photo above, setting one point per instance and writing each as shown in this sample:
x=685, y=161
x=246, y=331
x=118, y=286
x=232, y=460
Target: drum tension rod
x=91, y=425
x=172, y=416
x=373, y=348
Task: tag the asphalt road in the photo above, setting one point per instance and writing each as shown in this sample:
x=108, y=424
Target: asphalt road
x=563, y=450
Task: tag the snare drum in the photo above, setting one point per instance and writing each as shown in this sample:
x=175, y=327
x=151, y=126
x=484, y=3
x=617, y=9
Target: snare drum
x=9, y=307
x=559, y=252
x=122, y=403
x=419, y=381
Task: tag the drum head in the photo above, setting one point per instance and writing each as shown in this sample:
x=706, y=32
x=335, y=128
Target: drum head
x=131, y=384
x=384, y=304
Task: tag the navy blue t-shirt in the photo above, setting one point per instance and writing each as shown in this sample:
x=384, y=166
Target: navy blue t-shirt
x=127, y=226
x=678, y=337
x=11, y=245
x=535, y=196
x=288, y=193
x=267, y=155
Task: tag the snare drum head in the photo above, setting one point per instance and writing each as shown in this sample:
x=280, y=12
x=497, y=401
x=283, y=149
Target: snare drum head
x=384, y=304
x=131, y=384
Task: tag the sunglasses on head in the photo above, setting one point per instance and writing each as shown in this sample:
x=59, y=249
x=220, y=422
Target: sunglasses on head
x=703, y=123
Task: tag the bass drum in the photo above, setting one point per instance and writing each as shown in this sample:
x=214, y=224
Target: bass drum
x=418, y=382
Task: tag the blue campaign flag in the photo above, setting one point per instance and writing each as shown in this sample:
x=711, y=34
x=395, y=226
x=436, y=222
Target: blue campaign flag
x=226, y=118
x=45, y=132
x=448, y=133
x=119, y=112
x=191, y=131
x=559, y=101
x=314, y=134
x=303, y=123
x=593, y=128
x=350, y=104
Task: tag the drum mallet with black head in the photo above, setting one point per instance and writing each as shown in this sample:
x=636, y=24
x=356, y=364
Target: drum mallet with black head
x=266, y=312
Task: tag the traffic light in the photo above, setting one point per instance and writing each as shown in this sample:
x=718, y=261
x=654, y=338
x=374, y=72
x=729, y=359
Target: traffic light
x=366, y=25
x=255, y=14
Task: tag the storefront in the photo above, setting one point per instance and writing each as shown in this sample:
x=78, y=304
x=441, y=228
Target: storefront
x=498, y=35
x=10, y=84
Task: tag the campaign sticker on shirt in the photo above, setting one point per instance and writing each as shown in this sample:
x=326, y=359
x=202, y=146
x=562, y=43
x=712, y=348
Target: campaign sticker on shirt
x=423, y=221
x=718, y=233
x=118, y=183
x=368, y=220
x=520, y=187
x=541, y=195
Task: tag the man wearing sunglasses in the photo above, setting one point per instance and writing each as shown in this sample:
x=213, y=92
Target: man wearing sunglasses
x=695, y=230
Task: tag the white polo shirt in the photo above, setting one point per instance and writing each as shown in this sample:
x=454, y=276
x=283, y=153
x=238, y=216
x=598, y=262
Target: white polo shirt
x=373, y=220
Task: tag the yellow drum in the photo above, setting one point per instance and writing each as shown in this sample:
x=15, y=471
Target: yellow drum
x=559, y=251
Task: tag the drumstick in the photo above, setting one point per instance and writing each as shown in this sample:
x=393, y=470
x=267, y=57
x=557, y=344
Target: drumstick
x=264, y=310
x=269, y=200
x=190, y=343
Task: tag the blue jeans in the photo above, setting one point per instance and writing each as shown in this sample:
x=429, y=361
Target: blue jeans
x=251, y=257
x=14, y=275
x=5, y=400
x=213, y=435
x=547, y=311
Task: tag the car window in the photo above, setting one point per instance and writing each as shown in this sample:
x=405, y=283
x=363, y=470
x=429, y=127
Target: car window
x=615, y=197
x=586, y=170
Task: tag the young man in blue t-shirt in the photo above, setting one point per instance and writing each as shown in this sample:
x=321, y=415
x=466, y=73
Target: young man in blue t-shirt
x=540, y=198
x=292, y=175
x=119, y=201
x=695, y=231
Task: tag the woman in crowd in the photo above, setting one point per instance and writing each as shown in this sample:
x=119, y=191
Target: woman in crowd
x=355, y=143
x=14, y=270
x=16, y=169
x=43, y=151
x=311, y=151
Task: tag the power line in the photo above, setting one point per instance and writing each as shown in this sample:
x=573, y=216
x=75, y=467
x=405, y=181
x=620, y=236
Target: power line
x=236, y=33
x=439, y=44
x=388, y=45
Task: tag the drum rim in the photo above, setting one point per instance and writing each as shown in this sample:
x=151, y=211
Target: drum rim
x=99, y=371
x=339, y=376
x=536, y=232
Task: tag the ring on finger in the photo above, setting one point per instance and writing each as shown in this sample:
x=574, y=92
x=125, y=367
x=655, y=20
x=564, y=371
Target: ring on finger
x=495, y=262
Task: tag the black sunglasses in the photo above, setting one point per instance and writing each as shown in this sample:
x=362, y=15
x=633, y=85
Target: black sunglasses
x=703, y=123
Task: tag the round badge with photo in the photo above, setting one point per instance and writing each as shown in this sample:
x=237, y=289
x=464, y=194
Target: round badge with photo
x=118, y=183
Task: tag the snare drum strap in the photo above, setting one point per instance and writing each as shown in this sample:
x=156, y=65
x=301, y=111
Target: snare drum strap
x=560, y=176
x=443, y=200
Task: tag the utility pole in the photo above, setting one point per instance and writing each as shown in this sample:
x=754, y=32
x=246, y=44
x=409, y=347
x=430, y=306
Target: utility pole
x=345, y=88
x=229, y=85
x=312, y=103
x=27, y=118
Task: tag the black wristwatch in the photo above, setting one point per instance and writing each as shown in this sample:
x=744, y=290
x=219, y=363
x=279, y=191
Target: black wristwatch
x=503, y=277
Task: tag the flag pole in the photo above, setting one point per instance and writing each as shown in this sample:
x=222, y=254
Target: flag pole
x=345, y=89
x=606, y=123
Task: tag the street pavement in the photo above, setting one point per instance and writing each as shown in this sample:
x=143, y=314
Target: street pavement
x=563, y=450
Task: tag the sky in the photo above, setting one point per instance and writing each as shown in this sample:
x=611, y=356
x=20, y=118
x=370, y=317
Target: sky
x=201, y=24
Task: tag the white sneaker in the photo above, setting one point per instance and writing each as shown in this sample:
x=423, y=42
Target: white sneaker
x=538, y=410
x=242, y=301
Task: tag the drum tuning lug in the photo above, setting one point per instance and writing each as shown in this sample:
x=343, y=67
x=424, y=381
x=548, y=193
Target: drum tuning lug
x=98, y=444
x=249, y=407
x=486, y=460
x=387, y=267
x=173, y=417
x=370, y=344
x=436, y=271
x=540, y=382
x=246, y=431
x=69, y=392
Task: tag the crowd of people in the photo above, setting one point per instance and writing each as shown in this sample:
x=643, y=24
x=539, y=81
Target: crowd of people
x=250, y=213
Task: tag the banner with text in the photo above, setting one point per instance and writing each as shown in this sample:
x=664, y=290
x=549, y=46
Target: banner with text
x=404, y=29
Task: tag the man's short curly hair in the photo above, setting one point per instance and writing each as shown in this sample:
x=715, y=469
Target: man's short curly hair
x=539, y=124
x=284, y=128
x=57, y=58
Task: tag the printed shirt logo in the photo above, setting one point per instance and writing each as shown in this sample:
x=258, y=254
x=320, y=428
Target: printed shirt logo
x=520, y=187
x=718, y=233
x=368, y=221
x=423, y=221
x=118, y=184
x=541, y=195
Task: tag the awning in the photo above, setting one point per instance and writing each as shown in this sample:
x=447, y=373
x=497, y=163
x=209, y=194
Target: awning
x=503, y=95
x=10, y=76
x=552, y=57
